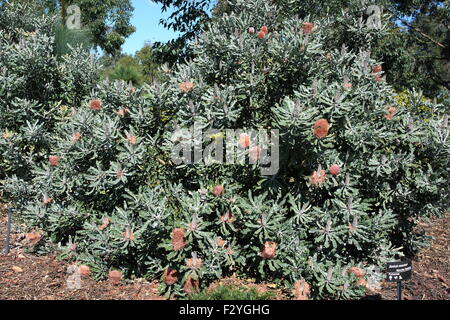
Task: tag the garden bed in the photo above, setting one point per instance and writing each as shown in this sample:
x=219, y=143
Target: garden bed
x=44, y=277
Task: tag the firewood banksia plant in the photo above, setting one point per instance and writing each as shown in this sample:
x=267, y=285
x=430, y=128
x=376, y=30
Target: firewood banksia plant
x=355, y=168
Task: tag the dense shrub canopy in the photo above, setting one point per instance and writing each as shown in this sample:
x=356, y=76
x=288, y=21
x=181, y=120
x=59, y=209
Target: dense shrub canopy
x=356, y=167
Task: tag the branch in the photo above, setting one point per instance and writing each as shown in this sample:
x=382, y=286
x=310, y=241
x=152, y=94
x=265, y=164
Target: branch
x=422, y=33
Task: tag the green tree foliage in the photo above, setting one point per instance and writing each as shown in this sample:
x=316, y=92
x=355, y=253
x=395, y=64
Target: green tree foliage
x=137, y=69
x=147, y=60
x=107, y=21
x=188, y=17
x=127, y=69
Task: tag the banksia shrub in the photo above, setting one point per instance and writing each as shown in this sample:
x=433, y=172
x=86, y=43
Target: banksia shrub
x=297, y=222
x=38, y=86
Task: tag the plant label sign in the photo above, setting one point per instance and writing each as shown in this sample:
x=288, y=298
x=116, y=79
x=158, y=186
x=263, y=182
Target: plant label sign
x=399, y=271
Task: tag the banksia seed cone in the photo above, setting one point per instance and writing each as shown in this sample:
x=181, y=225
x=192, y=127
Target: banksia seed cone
x=220, y=242
x=378, y=78
x=264, y=29
x=76, y=136
x=194, y=263
x=178, y=242
x=307, y=27
x=132, y=139
x=391, y=114
x=105, y=223
x=128, y=234
x=268, y=251
x=53, y=160
x=227, y=217
x=218, y=190
x=335, y=169
x=33, y=237
x=120, y=174
x=347, y=85
x=115, y=276
x=47, y=200
x=122, y=112
x=301, y=290
x=170, y=276
x=84, y=271
x=191, y=285
x=95, y=104
x=357, y=272
x=321, y=127
x=186, y=86
x=244, y=140
x=261, y=34
x=377, y=69
x=317, y=178
x=255, y=153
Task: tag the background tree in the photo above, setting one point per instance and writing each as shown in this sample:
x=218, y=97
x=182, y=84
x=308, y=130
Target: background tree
x=414, y=52
x=188, y=17
x=108, y=21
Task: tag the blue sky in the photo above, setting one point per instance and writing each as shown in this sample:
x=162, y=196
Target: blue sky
x=146, y=18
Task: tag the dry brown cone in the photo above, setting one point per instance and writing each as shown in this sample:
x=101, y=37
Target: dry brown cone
x=115, y=276
x=269, y=249
x=191, y=285
x=33, y=237
x=178, y=242
x=84, y=271
x=301, y=290
x=170, y=276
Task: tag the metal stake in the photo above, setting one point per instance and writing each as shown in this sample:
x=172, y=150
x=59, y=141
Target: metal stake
x=8, y=232
x=399, y=290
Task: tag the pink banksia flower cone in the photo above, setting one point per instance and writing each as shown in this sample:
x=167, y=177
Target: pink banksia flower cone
x=321, y=128
x=95, y=104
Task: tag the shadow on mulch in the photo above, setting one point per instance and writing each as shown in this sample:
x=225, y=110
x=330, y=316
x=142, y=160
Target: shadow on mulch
x=45, y=277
